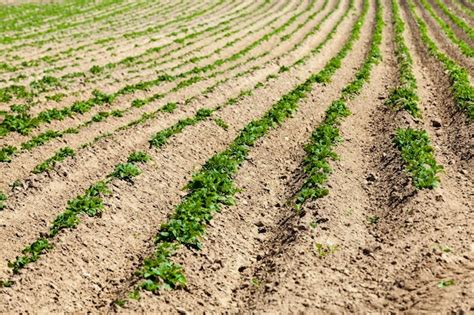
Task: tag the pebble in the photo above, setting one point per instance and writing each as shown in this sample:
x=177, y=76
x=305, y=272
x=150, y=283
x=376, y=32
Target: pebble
x=436, y=123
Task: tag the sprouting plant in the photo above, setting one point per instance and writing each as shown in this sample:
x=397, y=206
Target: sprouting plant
x=221, y=123
x=416, y=151
x=256, y=282
x=126, y=171
x=134, y=295
x=442, y=284
x=5, y=283
x=169, y=107
x=6, y=153
x=138, y=157
x=325, y=249
x=3, y=197
x=442, y=248
x=373, y=219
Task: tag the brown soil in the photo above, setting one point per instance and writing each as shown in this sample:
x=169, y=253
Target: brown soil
x=393, y=245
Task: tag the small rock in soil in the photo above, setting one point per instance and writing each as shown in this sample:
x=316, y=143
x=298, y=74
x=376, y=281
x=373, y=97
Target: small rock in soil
x=436, y=123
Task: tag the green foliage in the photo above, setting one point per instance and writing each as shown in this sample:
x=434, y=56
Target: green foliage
x=456, y=20
x=459, y=77
x=416, y=151
x=324, y=250
x=30, y=253
x=90, y=203
x=5, y=283
x=159, y=272
x=50, y=163
x=41, y=139
x=373, y=219
x=3, y=198
x=404, y=96
x=161, y=137
x=96, y=69
x=169, y=107
x=443, y=284
x=55, y=97
x=320, y=148
x=463, y=46
x=221, y=123
x=6, y=153
x=210, y=188
x=138, y=157
x=126, y=171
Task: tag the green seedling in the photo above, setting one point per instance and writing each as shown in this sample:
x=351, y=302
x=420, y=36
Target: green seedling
x=325, y=249
x=373, y=219
x=442, y=284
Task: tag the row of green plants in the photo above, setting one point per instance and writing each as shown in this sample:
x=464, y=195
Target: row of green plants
x=456, y=19
x=23, y=17
x=94, y=70
x=463, y=46
x=61, y=27
x=7, y=152
x=404, y=95
x=417, y=153
x=414, y=145
x=210, y=188
x=69, y=219
x=169, y=107
x=463, y=91
x=23, y=123
x=51, y=59
x=29, y=92
x=330, y=36
x=463, y=8
x=91, y=203
x=320, y=149
x=38, y=42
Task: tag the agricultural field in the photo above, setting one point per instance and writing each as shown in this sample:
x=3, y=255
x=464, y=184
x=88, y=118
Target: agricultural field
x=223, y=156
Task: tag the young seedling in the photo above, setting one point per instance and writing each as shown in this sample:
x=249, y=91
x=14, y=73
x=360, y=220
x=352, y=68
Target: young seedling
x=138, y=157
x=126, y=171
x=373, y=219
x=442, y=284
x=3, y=197
x=325, y=249
x=221, y=123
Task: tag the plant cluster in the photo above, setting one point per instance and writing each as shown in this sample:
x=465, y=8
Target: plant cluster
x=50, y=163
x=90, y=203
x=462, y=89
x=463, y=46
x=404, y=95
x=208, y=190
x=320, y=148
x=416, y=151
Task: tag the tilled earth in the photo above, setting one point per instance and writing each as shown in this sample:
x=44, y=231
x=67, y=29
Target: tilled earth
x=393, y=248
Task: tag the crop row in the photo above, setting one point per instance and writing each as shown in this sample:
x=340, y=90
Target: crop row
x=47, y=83
x=463, y=46
x=456, y=19
x=463, y=91
x=49, y=163
x=29, y=15
x=94, y=201
x=213, y=187
x=23, y=123
x=320, y=148
x=110, y=40
x=414, y=145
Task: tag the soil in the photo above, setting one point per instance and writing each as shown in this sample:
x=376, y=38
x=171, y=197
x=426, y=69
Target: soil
x=392, y=247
